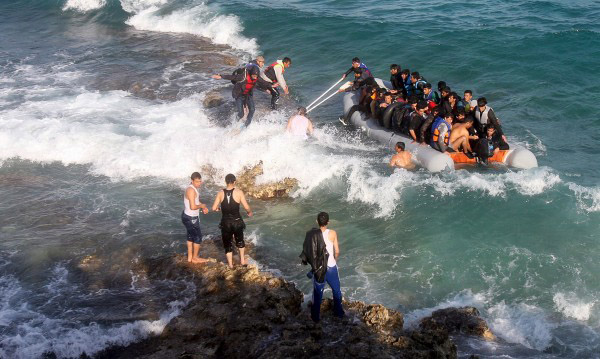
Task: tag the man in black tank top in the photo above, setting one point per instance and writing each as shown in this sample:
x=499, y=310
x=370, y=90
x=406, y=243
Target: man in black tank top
x=232, y=225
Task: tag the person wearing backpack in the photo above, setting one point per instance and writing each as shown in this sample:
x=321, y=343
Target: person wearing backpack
x=244, y=79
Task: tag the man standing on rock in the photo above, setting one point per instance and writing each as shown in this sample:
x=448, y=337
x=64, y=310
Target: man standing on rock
x=232, y=225
x=191, y=218
x=274, y=75
x=321, y=250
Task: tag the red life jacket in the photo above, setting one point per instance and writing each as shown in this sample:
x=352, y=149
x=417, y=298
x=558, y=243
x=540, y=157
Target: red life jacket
x=249, y=85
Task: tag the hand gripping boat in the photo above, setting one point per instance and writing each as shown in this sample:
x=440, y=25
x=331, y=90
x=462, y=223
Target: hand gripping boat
x=427, y=157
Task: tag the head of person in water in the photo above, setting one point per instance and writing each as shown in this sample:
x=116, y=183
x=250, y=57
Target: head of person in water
x=394, y=68
x=196, y=179
x=468, y=95
x=400, y=147
x=230, y=179
x=356, y=62
x=302, y=111
x=287, y=62
x=449, y=118
x=441, y=85
x=357, y=72
x=481, y=103
x=414, y=77
x=405, y=73
x=427, y=89
x=323, y=219
x=260, y=60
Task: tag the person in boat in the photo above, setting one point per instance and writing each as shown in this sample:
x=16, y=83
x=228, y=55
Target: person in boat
x=402, y=158
x=406, y=80
x=416, y=120
x=425, y=130
x=321, y=250
x=403, y=116
x=450, y=105
x=440, y=133
x=431, y=96
x=460, y=136
x=382, y=104
x=242, y=90
x=417, y=84
x=274, y=75
x=484, y=115
x=489, y=144
x=232, y=225
x=299, y=124
x=356, y=64
x=367, y=97
x=396, y=80
x=468, y=102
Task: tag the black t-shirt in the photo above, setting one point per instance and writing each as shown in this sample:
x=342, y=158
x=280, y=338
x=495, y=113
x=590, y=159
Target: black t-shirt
x=415, y=123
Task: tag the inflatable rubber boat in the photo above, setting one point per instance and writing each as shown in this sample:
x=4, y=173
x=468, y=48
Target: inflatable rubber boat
x=424, y=155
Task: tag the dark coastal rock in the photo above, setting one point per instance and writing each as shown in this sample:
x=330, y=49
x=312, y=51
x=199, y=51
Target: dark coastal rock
x=245, y=313
x=465, y=320
x=212, y=99
x=246, y=181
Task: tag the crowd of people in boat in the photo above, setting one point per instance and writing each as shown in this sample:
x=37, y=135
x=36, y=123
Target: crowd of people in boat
x=412, y=107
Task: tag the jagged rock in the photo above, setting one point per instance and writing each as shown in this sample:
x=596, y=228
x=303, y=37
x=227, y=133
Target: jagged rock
x=212, y=99
x=245, y=313
x=464, y=320
x=246, y=181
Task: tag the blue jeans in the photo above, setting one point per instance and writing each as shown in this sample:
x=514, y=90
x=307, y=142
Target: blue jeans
x=239, y=104
x=333, y=279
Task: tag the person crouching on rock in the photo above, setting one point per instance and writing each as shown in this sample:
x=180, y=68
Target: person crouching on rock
x=321, y=251
x=232, y=225
x=191, y=218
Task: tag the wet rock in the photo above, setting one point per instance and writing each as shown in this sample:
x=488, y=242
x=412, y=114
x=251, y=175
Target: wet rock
x=265, y=313
x=464, y=320
x=212, y=99
x=246, y=181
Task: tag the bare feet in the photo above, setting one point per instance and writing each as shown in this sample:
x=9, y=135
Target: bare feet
x=199, y=260
x=243, y=260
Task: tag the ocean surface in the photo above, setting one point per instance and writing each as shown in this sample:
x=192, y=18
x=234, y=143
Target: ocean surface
x=102, y=122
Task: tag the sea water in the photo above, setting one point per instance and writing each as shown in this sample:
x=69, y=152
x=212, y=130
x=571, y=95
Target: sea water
x=102, y=122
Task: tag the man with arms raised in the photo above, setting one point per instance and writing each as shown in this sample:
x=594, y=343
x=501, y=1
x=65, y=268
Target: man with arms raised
x=191, y=218
x=402, y=158
x=232, y=225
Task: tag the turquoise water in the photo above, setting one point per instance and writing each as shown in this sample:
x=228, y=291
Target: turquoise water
x=101, y=122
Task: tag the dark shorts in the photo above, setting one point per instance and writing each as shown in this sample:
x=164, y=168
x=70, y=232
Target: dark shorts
x=232, y=229
x=192, y=225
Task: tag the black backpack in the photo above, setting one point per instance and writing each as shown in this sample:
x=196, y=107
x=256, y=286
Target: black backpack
x=241, y=70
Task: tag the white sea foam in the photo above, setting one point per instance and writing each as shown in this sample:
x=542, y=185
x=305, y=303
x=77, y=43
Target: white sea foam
x=83, y=5
x=588, y=198
x=573, y=307
x=197, y=20
x=521, y=323
x=37, y=334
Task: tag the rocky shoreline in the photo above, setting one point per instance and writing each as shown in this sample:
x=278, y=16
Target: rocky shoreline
x=245, y=313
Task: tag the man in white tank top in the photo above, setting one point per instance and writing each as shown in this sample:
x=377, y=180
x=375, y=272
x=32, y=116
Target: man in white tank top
x=190, y=217
x=299, y=124
x=331, y=277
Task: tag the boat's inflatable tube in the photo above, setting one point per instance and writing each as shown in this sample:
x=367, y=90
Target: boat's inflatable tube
x=423, y=155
